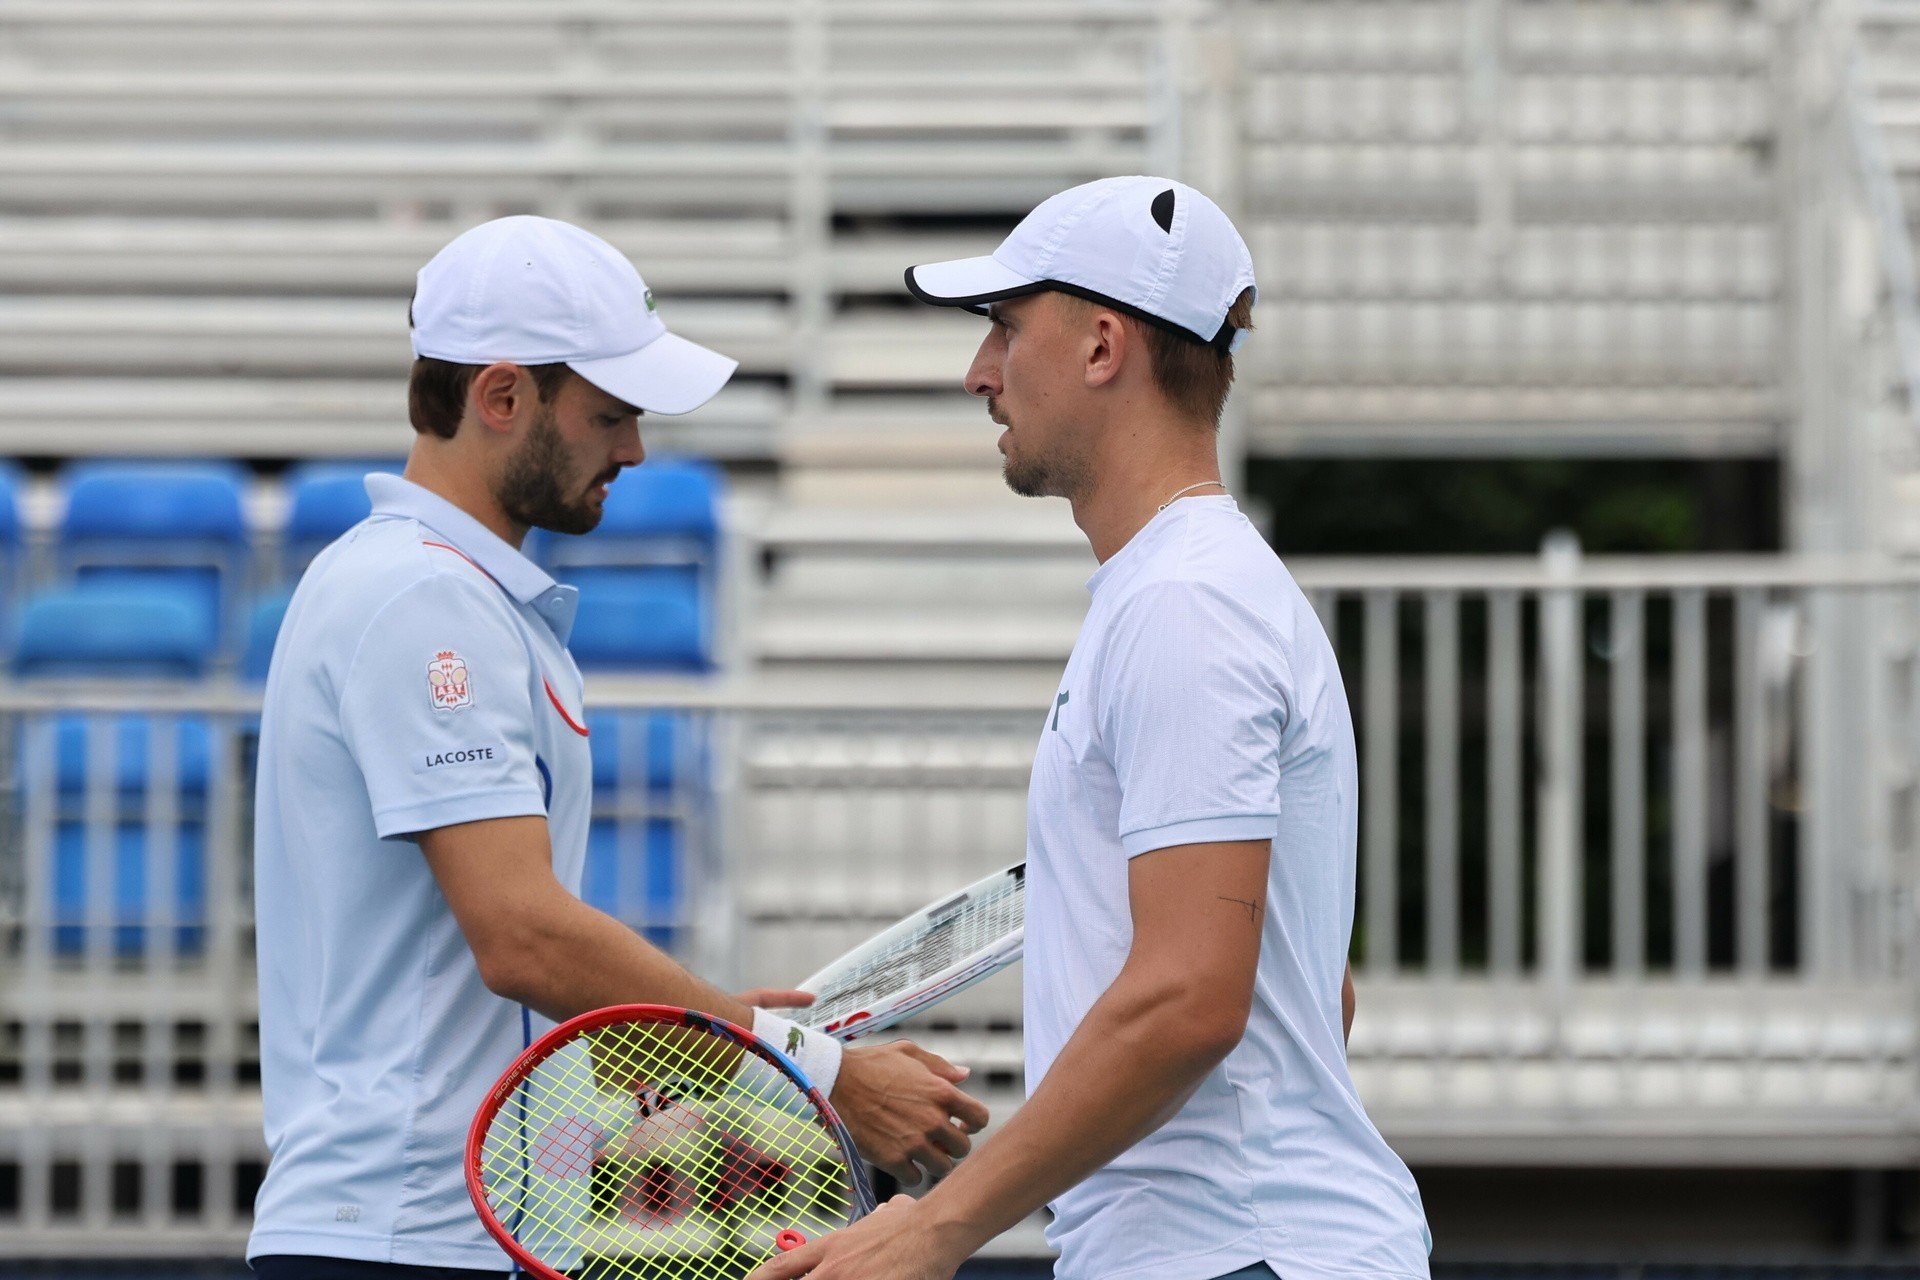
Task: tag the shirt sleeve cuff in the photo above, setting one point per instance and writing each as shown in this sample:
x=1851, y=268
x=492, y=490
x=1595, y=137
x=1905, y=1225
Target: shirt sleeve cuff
x=448, y=811
x=1252, y=826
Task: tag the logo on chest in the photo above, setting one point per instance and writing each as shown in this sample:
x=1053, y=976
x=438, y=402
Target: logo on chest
x=448, y=681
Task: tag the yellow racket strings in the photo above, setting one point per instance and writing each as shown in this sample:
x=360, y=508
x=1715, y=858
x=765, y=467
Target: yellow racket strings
x=643, y=1151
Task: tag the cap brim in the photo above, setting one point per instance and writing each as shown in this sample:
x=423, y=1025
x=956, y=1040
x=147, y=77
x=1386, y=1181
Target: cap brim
x=968, y=282
x=669, y=375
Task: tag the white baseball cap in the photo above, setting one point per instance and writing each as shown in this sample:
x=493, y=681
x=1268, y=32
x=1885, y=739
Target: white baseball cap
x=535, y=290
x=1151, y=247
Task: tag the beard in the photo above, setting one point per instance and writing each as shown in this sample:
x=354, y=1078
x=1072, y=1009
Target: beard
x=1037, y=477
x=535, y=488
x=1029, y=479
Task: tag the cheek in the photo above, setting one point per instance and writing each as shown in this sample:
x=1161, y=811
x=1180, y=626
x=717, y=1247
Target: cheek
x=1030, y=373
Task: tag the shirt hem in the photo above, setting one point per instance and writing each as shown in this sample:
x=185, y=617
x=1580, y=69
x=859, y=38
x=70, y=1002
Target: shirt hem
x=1251, y=826
x=415, y=1251
x=1236, y=1255
x=1240, y=1252
x=448, y=811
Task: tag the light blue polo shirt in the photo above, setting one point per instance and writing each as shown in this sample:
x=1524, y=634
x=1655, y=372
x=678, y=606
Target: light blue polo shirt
x=421, y=679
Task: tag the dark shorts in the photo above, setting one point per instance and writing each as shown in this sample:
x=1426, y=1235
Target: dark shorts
x=1258, y=1271
x=286, y=1266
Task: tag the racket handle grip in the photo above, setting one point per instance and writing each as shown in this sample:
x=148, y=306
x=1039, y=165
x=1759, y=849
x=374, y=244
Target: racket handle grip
x=789, y=1240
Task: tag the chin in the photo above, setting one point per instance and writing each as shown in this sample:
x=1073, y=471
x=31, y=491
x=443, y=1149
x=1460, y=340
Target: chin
x=1025, y=483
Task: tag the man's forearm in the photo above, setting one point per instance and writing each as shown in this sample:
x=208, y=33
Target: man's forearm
x=574, y=958
x=1131, y=1064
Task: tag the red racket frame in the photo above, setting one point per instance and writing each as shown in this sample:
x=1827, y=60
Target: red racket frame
x=670, y=1015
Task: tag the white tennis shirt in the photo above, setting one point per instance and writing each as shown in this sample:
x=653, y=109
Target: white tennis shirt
x=421, y=679
x=1202, y=703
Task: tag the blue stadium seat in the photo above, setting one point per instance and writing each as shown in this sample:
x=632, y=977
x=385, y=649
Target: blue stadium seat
x=154, y=629
x=141, y=521
x=10, y=485
x=633, y=874
x=662, y=498
x=132, y=738
x=640, y=624
x=128, y=902
x=133, y=741
x=326, y=500
x=653, y=749
x=263, y=628
x=12, y=544
x=64, y=757
x=115, y=629
x=657, y=544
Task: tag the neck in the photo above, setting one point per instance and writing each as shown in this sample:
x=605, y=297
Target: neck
x=465, y=487
x=1147, y=468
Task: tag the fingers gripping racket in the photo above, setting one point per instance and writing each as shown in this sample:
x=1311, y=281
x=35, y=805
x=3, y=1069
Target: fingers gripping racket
x=938, y=951
x=644, y=1142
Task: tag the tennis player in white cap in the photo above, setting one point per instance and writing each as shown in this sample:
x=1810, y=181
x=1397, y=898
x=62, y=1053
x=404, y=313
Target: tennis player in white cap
x=425, y=785
x=1192, y=813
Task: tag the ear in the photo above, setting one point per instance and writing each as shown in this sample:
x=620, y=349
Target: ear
x=499, y=396
x=1110, y=345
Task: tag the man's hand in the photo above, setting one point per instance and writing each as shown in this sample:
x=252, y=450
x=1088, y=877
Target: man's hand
x=905, y=1109
x=894, y=1242
x=776, y=998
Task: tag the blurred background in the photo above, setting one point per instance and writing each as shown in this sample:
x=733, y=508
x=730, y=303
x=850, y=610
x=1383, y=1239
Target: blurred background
x=1581, y=402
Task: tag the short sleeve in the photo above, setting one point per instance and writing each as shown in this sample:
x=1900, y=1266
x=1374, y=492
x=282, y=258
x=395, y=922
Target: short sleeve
x=1193, y=705
x=437, y=712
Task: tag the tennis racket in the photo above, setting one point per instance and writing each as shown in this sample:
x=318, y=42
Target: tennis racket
x=644, y=1142
x=936, y=952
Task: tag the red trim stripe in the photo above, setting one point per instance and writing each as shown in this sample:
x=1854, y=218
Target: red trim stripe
x=457, y=551
x=552, y=697
x=561, y=707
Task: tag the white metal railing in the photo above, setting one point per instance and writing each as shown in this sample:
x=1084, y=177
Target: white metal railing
x=1630, y=775
x=1679, y=765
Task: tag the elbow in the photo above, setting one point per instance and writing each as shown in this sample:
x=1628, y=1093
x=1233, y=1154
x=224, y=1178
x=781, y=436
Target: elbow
x=1217, y=1036
x=504, y=963
x=1202, y=1026
x=504, y=977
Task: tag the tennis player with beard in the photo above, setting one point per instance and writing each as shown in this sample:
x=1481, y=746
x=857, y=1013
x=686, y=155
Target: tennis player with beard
x=425, y=784
x=1192, y=813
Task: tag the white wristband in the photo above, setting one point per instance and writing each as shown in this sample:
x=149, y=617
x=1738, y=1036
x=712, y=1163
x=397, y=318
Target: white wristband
x=816, y=1053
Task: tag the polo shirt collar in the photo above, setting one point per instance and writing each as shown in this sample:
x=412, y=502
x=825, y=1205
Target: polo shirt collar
x=518, y=576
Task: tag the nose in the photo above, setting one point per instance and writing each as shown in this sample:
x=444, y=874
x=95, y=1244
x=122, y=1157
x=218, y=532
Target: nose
x=630, y=451
x=983, y=376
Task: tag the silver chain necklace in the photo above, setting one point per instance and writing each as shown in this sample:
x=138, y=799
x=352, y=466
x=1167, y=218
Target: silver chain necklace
x=1183, y=492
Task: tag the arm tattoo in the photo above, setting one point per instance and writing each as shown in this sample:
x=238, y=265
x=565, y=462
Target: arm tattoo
x=1253, y=908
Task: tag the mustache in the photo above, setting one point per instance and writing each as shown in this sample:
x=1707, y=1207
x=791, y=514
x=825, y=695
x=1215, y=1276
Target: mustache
x=993, y=412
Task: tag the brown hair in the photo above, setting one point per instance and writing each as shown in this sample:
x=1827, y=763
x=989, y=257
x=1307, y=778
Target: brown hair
x=437, y=392
x=1194, y=376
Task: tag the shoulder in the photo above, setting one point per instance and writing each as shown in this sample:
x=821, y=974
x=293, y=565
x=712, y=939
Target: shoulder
x=396, y=574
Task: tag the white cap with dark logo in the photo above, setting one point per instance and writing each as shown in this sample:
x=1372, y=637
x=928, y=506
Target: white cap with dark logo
x=532, y=290
x=1151, y=247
